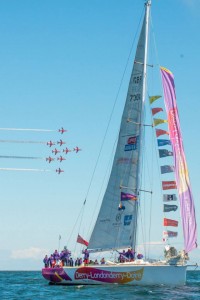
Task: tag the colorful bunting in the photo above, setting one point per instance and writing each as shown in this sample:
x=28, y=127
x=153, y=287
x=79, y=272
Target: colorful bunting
x=167, y=197
x=166, y=169
x=153, y=98
x=164, y=153
x=163, y=142
x=127, y=196
x=169, y=222
x=80, y=240
x=156, y=110
x=170, y=234
x=168, y=185
x=161, y=132
x=158, y=121
x=168, y=207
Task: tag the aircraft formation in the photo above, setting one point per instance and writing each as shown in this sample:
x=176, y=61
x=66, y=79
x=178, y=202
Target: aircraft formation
x=50, y=144
x=55, y=151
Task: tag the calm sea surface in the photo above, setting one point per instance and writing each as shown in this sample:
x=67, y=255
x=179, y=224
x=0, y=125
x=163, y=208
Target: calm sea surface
x=31, y=285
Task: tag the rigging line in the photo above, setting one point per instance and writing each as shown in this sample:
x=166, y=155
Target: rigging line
x=150, y=212
x=140, y=182
x=143, y=179
x=76, y=223
x=142, y=229
x=112, y=111
x=150, y=179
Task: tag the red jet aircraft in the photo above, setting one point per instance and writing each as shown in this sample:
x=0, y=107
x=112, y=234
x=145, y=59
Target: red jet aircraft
x=55, y=151
x=62, y=130
x=59, y=170
x=61, y=142
x=61, y=158
x=76, y=149
x=66, y=150
x=49, y=159
x=50, y=143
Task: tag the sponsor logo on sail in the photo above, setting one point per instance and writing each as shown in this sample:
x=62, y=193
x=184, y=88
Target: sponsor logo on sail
x=127, y=220
x=131, y=143
x=132, y=140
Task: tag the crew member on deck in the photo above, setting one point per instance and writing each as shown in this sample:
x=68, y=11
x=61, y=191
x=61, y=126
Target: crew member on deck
x=46, y=261
x=86, y=256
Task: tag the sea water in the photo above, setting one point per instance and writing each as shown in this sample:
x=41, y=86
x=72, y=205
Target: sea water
x=31, y=285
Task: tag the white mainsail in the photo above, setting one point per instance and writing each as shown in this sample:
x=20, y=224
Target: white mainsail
x=115, y=229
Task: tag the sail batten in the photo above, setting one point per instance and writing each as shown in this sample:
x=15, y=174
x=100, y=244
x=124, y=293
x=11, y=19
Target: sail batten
x=116, y=226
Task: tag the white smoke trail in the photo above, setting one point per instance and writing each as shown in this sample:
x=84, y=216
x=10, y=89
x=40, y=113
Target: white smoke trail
x=26, y=170
x=28, y=129
x=21, y=157
x=18, y=141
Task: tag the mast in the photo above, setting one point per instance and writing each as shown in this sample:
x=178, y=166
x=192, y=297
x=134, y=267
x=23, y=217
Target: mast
x=146, y=20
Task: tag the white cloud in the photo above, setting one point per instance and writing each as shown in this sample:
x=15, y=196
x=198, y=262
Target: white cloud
x=32, y=252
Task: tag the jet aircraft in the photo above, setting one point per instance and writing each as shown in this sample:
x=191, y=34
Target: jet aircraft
x=49, y=159
x=62, y=130
x=55, y=151
x=59, y=170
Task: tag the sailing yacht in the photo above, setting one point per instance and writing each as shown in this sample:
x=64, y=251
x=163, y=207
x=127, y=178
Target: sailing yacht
x=117, y=222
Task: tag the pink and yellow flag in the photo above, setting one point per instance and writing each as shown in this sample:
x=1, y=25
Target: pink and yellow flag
x=181, y=170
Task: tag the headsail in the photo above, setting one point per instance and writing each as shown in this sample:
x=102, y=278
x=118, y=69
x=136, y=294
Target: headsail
x=181, y=170
x=116, y=228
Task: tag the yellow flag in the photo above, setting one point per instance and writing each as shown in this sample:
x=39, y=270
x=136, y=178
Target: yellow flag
x=153, y=98
x=158, y=121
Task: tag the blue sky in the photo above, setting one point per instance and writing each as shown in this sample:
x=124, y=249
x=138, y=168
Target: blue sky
x=61, y=63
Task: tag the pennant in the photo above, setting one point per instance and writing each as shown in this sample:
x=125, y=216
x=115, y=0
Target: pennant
x=171, y=197
x=164, y=153
x=168, y=185
x=170, y=234
x=161, y=132
x=153, y=98
x=80, y=240
x=156, y=110
x=166, y=169
x=127, y=196
x=168, y=208
x=158, y=121
x=169, y=222
x=163, y=142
